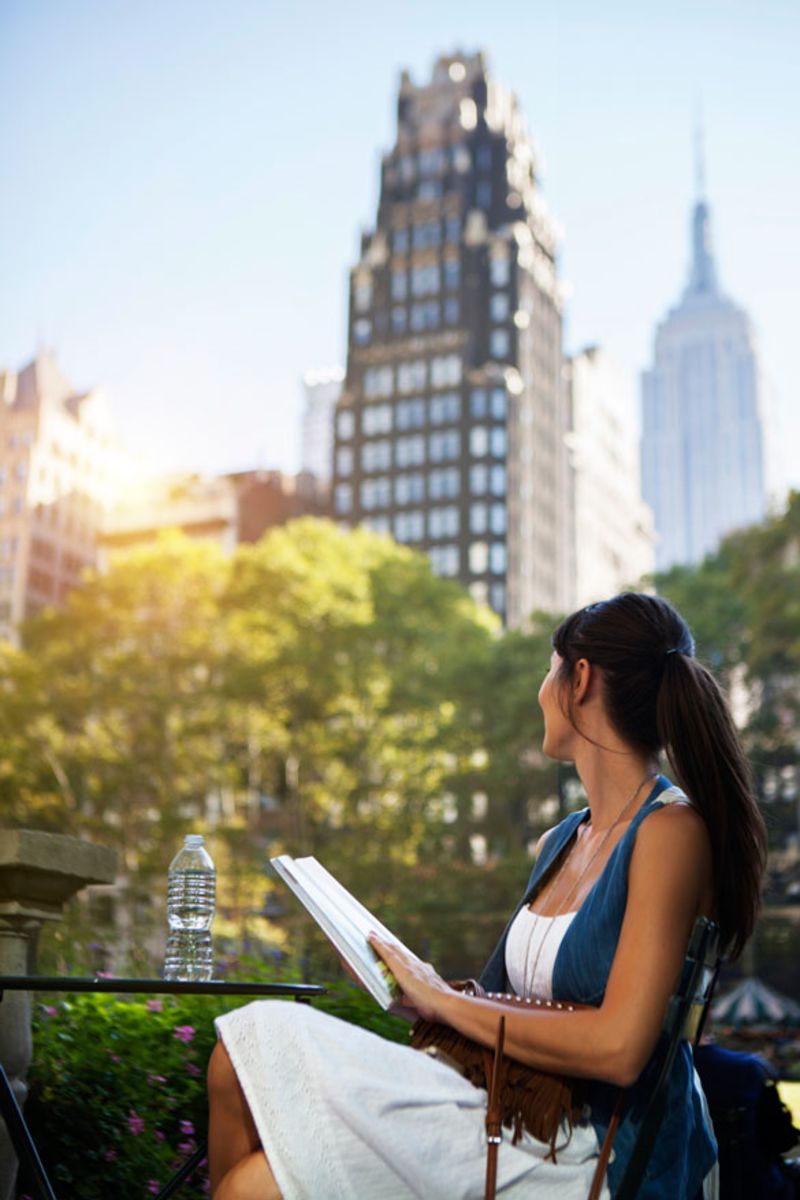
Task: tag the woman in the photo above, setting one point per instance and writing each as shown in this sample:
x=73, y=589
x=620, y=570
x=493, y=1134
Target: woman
x=306, y=1106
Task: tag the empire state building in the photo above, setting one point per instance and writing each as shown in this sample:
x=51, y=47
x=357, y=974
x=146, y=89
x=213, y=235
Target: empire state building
x=702, y=454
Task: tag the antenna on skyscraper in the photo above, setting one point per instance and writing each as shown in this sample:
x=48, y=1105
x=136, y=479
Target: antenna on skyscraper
x=699, y=150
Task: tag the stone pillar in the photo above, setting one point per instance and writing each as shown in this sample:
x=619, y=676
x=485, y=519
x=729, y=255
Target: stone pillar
x=39, y=873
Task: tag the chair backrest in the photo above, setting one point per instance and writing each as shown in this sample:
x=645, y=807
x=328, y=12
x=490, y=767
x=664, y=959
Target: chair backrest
x=686, y=1014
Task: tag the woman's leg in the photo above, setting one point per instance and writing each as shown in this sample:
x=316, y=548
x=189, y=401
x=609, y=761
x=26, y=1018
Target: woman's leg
x=235, y=1158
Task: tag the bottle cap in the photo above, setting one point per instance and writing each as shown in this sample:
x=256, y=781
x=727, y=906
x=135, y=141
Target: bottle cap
x=193, y=840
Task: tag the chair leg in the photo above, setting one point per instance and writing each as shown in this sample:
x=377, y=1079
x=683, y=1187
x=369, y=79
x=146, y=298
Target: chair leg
x=182, y=1174
x=21, y=1140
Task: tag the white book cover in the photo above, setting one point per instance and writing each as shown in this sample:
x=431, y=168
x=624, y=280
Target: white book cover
x=344, y=921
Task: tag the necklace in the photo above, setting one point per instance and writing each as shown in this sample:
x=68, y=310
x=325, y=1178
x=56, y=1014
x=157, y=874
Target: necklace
x=530, y=975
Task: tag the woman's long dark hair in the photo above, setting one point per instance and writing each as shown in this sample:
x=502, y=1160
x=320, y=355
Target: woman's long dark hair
x=659, y=697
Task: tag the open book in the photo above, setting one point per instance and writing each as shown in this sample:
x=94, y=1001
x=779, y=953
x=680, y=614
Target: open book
x=344, y=920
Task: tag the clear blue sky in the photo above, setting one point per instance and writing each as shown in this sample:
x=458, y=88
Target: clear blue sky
x=184, y=185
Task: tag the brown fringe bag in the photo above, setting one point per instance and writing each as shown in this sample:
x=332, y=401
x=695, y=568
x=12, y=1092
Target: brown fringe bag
x=521, y=1096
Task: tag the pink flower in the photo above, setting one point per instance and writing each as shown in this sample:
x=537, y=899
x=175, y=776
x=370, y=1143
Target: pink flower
x=187, y=1127
x=49, y=1010
x=160, y=1136
x=115, y=1058
x=110, y=1156
x=156, y=1079
x=104, y=975
x=153, y=1187
x=186, y=1147
x=193, y=1070
x=154, y=1005
x=135, y=1123
x=184, y=1033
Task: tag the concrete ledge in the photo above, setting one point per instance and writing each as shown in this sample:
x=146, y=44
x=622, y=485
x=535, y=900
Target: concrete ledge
x=39, y=872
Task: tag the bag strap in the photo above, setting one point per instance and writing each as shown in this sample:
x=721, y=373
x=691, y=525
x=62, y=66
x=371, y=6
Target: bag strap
x=494, y=1110
x=494, y=1066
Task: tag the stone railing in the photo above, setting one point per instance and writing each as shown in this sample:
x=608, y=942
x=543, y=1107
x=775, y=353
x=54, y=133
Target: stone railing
x=39, y=873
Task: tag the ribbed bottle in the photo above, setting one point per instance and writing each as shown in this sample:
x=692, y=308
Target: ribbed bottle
x=191, y=894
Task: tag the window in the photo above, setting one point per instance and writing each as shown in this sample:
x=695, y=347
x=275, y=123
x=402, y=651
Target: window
x=409, y=526
x=443, y=522
x=410, y=414
x=427, y=235
x=497, y=558
x=445, y=408
x=399, y=286
x=445, y=445
x=499, y=404
x=431, y=162
x=479, y=592
x=345, y=424
x=445, y=371
x=500, y=270
x=425, y=280
x=378, y=524
x=477, y=518
x=429, y=189
x=477, y=403
x=444, y=484
x=400, y=241
x=343, y=498
x=21, y=470
x=483, y=195
x=499, y=343
x=344, y=461
x=483, y=158
x=362, y=331
x=451, y=311
x=362, y=294
x=376, y=418
x=478, y=557
x=376, y=493
x=398, y=319
x=498, y=481
x=499, y=306
x=452, y=229
x=410, y=451
x=407, y=168
x=412, y=376
x=478, y=479
x=425, y=315
x=497, y=597
x=376, y=456
x=497, y=518
x=409, y=489
x=452, y=274
x=444, y=560
x=497, y=442
x=478, y=441
x=378, y=381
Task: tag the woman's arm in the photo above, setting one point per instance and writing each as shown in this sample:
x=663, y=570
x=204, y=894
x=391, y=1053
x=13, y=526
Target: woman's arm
x=669, y=875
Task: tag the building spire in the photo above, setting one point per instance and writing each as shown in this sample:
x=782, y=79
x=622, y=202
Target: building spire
x=703, y=277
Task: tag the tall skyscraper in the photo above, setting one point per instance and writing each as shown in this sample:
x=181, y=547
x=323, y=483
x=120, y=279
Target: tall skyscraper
x=702, y=454
x=59, y=466
x=450, y=428
x=613, y=526
x=321, y=389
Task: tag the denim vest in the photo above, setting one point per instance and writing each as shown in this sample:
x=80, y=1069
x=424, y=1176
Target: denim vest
x=685, y=1148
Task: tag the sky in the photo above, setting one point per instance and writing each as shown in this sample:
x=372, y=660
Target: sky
x=185, y=184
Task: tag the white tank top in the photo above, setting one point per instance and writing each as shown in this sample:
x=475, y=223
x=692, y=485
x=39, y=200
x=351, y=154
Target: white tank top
x=533, y=941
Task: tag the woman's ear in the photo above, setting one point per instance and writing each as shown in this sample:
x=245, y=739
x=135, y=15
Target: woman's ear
x=581, y=679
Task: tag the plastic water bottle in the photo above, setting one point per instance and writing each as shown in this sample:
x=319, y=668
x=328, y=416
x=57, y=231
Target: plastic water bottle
x=191, y=890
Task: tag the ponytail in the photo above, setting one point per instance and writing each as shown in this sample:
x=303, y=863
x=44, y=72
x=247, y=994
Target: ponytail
x=696, y=730
x=659, y=697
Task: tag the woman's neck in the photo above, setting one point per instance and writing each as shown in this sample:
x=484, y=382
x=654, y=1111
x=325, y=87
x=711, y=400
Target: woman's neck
x=611, y=781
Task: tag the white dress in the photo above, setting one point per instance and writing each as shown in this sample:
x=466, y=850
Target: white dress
x=343, y=1114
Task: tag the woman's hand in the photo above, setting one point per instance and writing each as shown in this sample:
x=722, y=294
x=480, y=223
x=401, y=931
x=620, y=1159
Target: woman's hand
x=421, y=987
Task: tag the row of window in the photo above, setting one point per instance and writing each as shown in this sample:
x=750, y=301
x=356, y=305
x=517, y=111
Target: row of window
x=416, y=412
x=414, y=450
x=427, y=235
x=442, y=371
x=484, y=480
x=425, y=279
x=482, y=557
x=442, y=522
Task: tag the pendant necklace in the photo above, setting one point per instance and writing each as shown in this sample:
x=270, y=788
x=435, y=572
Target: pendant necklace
x=530, y=975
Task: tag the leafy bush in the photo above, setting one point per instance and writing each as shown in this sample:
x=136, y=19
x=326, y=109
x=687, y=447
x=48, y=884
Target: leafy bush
x=118, y=1095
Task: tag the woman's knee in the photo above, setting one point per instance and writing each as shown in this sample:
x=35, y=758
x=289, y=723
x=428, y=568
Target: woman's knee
x=249, y=1179
x=221, y=1074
